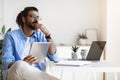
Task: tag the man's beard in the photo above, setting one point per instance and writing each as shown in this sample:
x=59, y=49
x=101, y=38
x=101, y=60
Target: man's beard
x=31, y=25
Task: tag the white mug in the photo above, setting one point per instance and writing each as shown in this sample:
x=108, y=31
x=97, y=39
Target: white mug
x=83, y=53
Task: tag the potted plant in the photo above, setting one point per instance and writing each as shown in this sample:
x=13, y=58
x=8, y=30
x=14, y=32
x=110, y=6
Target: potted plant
x=82, y=38
x=74, y=52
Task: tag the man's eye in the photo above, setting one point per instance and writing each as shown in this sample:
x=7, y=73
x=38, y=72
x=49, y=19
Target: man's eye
x=33, y=16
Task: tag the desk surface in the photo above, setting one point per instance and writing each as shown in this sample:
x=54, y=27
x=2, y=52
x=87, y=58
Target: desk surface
x=102, y=66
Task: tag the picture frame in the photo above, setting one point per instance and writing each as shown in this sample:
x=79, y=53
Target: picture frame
x=92, y=35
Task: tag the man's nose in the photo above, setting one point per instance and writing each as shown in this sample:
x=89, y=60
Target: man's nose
x=36, y=20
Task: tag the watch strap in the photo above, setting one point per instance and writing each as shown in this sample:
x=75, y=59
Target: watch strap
x=48, y=37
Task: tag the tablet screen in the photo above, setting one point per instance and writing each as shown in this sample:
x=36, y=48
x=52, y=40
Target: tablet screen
x=39, y=50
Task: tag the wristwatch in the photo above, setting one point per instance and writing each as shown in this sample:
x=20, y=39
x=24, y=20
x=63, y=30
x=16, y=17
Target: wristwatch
x=48, y=37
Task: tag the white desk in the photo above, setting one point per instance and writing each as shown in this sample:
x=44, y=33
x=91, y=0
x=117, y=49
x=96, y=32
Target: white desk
x=94, y=67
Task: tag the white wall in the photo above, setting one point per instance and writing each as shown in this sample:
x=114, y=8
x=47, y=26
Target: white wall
x=113, y=32
x=103, y=19
x=64, y=18
x=1, y=13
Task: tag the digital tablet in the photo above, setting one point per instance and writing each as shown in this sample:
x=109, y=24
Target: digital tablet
x=39, y=50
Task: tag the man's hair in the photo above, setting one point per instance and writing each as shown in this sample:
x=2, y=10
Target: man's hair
x=24, y=13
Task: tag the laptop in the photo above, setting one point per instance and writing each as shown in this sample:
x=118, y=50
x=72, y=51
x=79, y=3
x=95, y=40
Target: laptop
x=39, y=50
x=93, y=55
x=95, y=51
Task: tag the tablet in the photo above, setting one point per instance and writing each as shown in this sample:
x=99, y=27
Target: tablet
x=39, y=50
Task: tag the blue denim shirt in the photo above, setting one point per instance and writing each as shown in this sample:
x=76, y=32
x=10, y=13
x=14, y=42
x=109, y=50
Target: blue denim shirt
x=14, y=44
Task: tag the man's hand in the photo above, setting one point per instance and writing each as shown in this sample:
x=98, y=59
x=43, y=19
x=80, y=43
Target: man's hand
x=42, y=28
x=52, y=48
x=30, y=59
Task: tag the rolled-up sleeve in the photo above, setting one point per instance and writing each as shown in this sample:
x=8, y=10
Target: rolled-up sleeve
x=53, y=57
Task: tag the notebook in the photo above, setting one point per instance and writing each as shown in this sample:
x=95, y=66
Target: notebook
x=39, y=50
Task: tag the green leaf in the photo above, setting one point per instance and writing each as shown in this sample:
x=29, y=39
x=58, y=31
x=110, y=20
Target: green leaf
x=1, y=42
x=3, y=29
x=75, y=48
x=8, y=30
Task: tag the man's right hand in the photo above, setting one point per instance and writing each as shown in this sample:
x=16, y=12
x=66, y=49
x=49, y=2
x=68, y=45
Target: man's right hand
x=30, y=59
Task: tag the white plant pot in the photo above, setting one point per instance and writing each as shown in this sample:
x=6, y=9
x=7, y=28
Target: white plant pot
x=74, y=56
x=83, y=41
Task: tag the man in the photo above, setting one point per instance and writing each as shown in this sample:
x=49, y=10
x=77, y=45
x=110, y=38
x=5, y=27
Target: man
x=17, y=63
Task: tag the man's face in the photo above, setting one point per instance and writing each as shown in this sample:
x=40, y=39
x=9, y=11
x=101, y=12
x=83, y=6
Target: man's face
x=32, y=19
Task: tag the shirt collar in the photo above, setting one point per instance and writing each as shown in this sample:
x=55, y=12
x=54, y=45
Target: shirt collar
x=34, y=33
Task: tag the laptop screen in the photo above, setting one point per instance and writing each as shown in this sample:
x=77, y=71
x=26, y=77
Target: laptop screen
x=96, y=50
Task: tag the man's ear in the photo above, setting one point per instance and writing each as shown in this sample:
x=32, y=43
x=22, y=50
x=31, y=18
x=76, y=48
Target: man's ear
x=23, y=19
